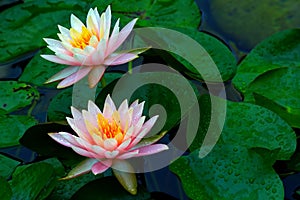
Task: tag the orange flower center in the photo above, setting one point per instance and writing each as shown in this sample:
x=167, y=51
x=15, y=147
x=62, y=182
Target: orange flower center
x=80, y=40
x=110, y=129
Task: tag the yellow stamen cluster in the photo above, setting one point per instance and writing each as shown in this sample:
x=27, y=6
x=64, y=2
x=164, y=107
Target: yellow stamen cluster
x=110, y=129
x=80, y=40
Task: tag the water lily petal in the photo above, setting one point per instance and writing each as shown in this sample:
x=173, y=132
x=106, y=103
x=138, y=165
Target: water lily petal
x=149, y=124
x=64, y=138
x=64, y=31
x=120, y=59
x=124, y=145
x=127, y=155
x=123, y=34
x=56, y=46
x=129, y=133
x=82, y=72
x=58, y=60
x=135, y=103
x=125, y=175
x=78, y=125
x=124, y=115
x=101, y=166
x=151, y=149
x=111, y=154
x=113, y=38
x=93, y=108
x=95, y=75
x=99, y=151
x=110, y=144
x=139, y=136
x=90, y=119
x=137, y=112
x=76, y=23
x=138, y=126
x=100, y=51
x=84, y=152
x=109, y=107
x=67, y=57
x=82, y=168
x=107, y=23
x=63, y=74
x=91, y=21
x=149, y=140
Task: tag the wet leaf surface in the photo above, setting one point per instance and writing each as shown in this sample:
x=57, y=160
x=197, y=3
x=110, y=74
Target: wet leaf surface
x=16, y=95
x=7, y=166
x=240, y=165
x=33, y=182
x=10, y=135
x=5, y=190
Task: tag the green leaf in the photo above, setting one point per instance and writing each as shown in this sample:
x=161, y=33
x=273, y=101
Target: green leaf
x=57, y=166
x=280, y=50
x=240, y=165
x=46, y=145
x=10, y=135
x=60, y=106
x=108, y=188
x=15, y=95
x=220, y=54
x=35, y=182
x=65, y=189
x=5, y=190
x=282, y=97
x=23, y=26
x=162, y=13
x=58, y=172
x=39, y=70
x=7, y=166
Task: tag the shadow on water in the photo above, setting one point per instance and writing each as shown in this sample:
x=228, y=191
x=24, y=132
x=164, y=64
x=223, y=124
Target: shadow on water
x=243, y=24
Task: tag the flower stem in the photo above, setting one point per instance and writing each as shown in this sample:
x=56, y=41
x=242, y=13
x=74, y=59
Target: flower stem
x=130, y=67
x=31, y=107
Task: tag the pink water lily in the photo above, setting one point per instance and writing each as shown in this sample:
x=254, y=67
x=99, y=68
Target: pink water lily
x=89, y=49
x=108, y=138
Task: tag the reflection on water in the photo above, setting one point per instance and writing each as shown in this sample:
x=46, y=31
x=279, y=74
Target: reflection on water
x=243, y=24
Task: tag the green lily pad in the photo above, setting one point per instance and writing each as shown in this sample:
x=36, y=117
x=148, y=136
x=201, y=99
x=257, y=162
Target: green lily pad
x=282, y=96
x=35, y=20
x=10, y=135
x=163, y=13
x=46, y=145
x=5, y=190
x=7, y=166
x=220, y=54
x=15, y=95
x=65, y=189
x=39, y=70
x=58, y=170
x=105, y=188
x=23, y=26
x=60, y=105
x=240, y=165
x=35, y=182
x=280, y=50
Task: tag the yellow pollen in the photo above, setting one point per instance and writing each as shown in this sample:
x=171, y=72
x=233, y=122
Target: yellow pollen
x=80, y=40
x=110, y=129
